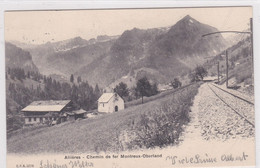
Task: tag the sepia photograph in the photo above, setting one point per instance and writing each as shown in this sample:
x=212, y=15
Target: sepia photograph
x=158, y=87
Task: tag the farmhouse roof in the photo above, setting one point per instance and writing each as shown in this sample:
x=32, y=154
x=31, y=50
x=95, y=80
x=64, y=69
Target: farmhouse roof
x=105, y=97
x=49, y=105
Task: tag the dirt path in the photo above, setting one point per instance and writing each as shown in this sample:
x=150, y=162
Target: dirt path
x=192, y=130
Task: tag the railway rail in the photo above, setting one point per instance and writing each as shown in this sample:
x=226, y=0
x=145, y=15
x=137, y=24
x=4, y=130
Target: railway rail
x=239, y=97
x=222, y=98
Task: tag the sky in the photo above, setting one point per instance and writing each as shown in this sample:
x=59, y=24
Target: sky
x=37, y=27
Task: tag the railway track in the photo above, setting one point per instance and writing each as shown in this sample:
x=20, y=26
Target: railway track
x=239, y=97
x=235, y=102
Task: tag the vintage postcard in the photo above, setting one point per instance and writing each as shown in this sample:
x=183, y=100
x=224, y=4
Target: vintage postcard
x=123, y=88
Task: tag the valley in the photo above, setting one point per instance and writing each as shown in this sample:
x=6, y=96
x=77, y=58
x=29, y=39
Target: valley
x=172, y=62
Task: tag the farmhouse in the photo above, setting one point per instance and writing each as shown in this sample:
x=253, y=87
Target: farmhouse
x=110, y=102
x=42, y=111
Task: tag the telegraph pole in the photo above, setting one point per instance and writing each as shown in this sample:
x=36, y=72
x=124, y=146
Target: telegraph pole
x=227, y=68
x=218, y=72
x=251, y=35
x=252, y=48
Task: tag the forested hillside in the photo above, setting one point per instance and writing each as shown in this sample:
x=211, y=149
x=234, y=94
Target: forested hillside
x=24, y=86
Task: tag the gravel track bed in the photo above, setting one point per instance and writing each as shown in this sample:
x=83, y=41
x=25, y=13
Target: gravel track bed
x=219, y=121
x=237, y=92
x=242, y=107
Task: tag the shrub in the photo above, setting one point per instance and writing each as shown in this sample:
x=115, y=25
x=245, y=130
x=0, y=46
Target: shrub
x=164, y=125
x=198, y=74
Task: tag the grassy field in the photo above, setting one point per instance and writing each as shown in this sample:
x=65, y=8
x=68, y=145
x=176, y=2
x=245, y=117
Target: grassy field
x=157, y=123
x=155, y=97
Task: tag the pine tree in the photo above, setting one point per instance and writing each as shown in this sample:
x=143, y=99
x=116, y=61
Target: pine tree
x=71, y=78
x=28, y=74
x=97, y=92
x=79, y=79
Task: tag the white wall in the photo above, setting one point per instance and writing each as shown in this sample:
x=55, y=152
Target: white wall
x=32, y=120
x=109, y=107
x=102, y=108
x=120, y=103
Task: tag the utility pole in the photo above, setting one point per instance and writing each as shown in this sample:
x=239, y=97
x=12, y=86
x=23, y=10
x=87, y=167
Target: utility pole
x=218, y=72
x=252, y=48
x=251, y=33
x=227, y=68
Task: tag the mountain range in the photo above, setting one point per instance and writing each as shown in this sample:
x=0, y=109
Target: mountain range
x=158, y=53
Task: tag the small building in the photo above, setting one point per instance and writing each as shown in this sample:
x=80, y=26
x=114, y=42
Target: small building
x=74, y=115
x=42, y=111
x=80, y=113
x=110, y=102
